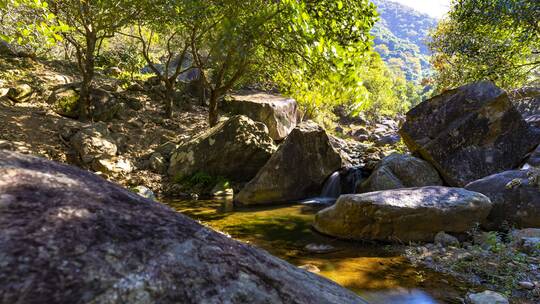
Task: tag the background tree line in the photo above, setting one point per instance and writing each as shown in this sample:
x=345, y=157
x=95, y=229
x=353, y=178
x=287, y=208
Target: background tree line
x=319, y=52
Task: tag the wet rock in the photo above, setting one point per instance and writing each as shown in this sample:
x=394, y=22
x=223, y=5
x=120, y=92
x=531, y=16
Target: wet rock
x=297, y=170
x=469, y=133
x=68, y=236
x=515, y=196
x=319, y=248
x=93, y=143
x=236, y=149
x=276, y=112
x=400, y=171
x=403, y=215
x=446, y=239
x=486, y=297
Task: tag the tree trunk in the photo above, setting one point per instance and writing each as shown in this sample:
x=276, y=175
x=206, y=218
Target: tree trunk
x=213, y=115
x=169, y=99
x=88, y=76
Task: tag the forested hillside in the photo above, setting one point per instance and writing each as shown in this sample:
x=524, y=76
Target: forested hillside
x=401, y=38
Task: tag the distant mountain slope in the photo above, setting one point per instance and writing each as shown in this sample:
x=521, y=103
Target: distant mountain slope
x=400, y=38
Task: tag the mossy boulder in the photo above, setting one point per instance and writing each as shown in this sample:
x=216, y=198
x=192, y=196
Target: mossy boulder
x=103, y=105
x=235, y=149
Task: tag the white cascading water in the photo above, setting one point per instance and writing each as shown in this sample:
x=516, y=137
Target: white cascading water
x=343, y=181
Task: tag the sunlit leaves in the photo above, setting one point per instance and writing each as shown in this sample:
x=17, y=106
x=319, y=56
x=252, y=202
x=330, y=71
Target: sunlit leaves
x=488, y=39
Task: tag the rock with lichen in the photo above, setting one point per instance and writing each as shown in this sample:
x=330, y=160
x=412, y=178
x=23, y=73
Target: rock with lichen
x=69, y=236
x=235, y=149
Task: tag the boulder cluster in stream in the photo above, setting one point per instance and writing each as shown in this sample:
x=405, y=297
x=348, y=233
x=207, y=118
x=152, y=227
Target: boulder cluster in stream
x=467, y=148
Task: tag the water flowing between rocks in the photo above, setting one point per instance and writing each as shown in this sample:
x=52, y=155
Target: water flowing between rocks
x=375, y=271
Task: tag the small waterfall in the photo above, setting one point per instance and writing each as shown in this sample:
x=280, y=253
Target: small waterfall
x=332, y=187
x=343, y=181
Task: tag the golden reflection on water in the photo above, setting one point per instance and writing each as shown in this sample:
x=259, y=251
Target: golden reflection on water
x=375, y=271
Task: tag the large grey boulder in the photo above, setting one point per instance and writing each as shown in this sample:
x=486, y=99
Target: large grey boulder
x=236, y=149
x=412, y=214
x=515, y=196
x=69, y=236
x=297, y=170
x=276, y=112
x=527, y=102
x=93, y=143
x=469, y=133
x=400, y=171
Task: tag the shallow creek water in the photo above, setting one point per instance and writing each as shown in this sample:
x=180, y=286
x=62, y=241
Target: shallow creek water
x=377, y=272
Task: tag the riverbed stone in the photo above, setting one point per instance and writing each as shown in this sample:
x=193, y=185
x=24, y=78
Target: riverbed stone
x=469, y=133
x=486, y=297
x=297, y=170
x=515, y=196
x=235, y=149
x=69, y=236
x=400, y=171
x=278, y=113
x=403, y=215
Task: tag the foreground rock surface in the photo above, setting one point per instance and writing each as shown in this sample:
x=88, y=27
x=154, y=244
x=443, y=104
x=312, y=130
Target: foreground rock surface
x=469, y=133
x=400, y=171
x=68, y=236
x=278, y=113
x=235, y=149
x=515, y=196
x=412, y=214
x=297, y=170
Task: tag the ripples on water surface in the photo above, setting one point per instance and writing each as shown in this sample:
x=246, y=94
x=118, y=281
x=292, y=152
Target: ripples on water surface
x=375, y=271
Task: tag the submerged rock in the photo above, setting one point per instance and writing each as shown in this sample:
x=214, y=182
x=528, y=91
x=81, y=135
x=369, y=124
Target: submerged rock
x=400, y=171
x=515, y=196
x=68, y=236
x=276, y=112
x=236, y=149
x=297, y=170
x=469, y=133
x=403, y=215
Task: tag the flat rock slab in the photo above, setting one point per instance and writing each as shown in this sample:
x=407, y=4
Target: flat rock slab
x=278, y=113
x=469, y=133
x=69, y=236
x=515, y=196
x=403, y=215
